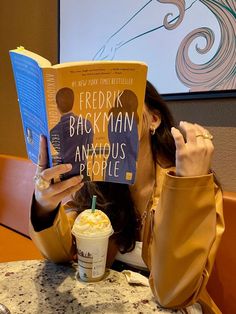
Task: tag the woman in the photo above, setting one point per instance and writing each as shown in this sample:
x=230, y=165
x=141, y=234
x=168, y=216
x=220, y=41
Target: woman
x=175, y=212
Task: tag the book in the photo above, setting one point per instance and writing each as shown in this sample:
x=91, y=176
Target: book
x=89, y=111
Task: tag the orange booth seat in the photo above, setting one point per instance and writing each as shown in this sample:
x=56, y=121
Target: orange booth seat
x=222, y=282
x=16, y=188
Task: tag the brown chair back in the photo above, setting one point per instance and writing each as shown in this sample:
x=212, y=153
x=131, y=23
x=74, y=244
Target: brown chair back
x=16, y=189
x=222, y=282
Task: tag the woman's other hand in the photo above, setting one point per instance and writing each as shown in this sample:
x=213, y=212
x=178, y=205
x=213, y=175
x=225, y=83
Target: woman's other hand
x=194, y=152
x=48, y=199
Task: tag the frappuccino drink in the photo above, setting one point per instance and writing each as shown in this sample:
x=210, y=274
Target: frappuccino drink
x=92, y=229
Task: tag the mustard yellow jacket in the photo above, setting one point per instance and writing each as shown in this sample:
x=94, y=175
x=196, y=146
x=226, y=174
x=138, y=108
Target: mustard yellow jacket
x=182, y=232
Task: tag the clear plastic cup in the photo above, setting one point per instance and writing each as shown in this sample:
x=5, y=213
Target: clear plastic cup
x=92, y=231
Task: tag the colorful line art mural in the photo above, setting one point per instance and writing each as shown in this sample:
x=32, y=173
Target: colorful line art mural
x=190, y=46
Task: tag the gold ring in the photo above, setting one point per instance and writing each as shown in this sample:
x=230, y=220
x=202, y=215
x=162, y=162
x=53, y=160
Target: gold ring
x=41, y=166
x=41, y=183
x=206, y=136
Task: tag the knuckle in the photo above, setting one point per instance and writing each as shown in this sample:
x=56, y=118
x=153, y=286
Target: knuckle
x=64, y=185
x=69, y=183
x=195, y=150
x=189, y=126
x=62, y=167
x=191, y=129
x=74, y=180
x=45, y=173
x=201, y=147
x=182, y=154
x=211, y=149
x=178, y=136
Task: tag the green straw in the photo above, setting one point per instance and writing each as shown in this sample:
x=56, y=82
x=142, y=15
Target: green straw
x=94, y=203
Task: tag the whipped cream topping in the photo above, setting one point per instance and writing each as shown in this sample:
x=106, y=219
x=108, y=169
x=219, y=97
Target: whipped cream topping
x=90, y=223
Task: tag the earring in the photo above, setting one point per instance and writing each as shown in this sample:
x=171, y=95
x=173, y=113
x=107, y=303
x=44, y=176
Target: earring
x=152, y=130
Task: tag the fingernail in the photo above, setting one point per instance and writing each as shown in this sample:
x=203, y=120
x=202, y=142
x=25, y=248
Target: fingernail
x=78, y=179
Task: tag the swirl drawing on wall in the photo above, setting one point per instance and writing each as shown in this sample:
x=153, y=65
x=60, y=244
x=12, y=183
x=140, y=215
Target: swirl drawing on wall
x=189, y=46
x=219, y=73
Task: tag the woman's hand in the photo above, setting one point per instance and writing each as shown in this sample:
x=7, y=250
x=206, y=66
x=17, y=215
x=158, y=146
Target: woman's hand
x=48, y=199
x=193, y=154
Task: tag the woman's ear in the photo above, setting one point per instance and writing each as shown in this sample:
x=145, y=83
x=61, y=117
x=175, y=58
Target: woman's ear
x=156, y=121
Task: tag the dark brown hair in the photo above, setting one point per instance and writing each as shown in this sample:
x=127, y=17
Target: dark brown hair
x=65, y=99
x=162, y=143
x=129, y=101
x=114, y=198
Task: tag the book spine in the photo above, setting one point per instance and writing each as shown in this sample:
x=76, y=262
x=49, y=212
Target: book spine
x=54, y=144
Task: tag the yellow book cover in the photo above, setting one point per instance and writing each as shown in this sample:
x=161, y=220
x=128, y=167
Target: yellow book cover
x=89, y=111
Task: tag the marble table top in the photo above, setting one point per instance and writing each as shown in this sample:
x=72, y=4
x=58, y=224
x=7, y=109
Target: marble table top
x=43, y=287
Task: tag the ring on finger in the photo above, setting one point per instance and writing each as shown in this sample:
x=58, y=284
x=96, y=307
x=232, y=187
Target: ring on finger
x=41, y=183
x=41, y=167
x=206, y=136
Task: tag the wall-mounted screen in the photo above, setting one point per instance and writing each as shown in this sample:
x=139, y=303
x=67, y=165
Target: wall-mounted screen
x=189, y=46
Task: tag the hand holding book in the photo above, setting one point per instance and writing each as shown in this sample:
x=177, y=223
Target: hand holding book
x=48, y=199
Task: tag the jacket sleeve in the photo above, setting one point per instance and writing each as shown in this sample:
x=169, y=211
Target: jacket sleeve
x=186, y=228
x=54, y=238
x=56, y=242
